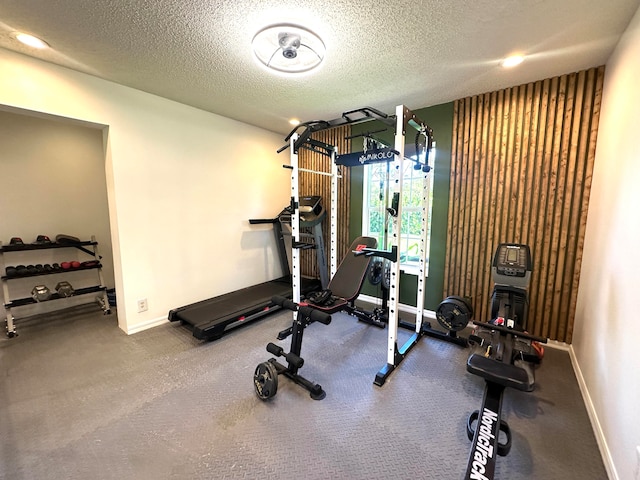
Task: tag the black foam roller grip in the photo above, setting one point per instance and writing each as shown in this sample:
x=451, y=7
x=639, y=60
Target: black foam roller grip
x=274, y=349
x=284, y=303
x=315, y=315
x=308, y=312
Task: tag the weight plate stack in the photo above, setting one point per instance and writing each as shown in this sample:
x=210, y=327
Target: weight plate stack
x=454, y=313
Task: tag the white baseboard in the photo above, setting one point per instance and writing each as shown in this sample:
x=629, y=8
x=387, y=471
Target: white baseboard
x=558, y=346
x=139, y=327
x=593, y=417
x=430, y=314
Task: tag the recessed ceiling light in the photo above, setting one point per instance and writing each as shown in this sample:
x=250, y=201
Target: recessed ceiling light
x=295, y=122
x=512, y=61
x=30, y=40
x=288, y=48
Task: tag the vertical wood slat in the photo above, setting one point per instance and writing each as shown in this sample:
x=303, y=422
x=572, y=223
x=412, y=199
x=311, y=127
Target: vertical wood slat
x=313, y=184
x=522, y=162
x=542, y=237
x=484, y=192
x=449, y=267
x=475, y=214
x=539, y=194
x=594, y=94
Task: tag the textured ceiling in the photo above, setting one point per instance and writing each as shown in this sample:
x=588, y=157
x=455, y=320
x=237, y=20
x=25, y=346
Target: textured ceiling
x=379, y=53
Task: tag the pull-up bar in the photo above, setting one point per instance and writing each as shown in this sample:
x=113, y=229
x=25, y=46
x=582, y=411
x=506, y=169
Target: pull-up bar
x=351, y=117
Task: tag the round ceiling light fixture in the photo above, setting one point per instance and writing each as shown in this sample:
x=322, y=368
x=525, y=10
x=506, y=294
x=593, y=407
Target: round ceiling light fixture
x=288, y=48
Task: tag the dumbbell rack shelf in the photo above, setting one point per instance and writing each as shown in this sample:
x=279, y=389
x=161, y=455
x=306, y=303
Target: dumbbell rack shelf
x=88, y=247
x=21, y=302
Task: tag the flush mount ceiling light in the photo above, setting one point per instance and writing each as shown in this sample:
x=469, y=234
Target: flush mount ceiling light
x=30, y=40
x=288, y=48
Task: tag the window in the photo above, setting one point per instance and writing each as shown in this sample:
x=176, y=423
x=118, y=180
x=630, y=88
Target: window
x=373, y=217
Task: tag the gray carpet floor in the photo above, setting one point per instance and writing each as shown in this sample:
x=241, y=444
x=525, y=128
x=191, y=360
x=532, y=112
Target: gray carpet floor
x=79, y=399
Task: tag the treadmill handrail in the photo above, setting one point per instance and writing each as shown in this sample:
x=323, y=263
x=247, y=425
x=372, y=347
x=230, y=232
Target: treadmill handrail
x=257, y=221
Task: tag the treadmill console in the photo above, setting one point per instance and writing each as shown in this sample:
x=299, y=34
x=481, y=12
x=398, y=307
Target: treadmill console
x=311, y=212
x=512, y=265
x=311, y=204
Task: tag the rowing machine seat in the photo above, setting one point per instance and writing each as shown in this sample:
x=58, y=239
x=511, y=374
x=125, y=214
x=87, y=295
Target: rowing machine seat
x=508, y=375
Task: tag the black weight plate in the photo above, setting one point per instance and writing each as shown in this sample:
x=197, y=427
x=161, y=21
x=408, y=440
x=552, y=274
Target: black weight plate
x=454, y=313
x=265, y=380
x=374, y=274
x=386, y=274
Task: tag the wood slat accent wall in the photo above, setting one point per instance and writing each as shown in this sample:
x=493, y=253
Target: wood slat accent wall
x=311, y=184
x=522, y=162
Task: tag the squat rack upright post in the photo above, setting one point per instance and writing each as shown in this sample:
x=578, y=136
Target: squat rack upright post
x=330, y=151
x=395, y=355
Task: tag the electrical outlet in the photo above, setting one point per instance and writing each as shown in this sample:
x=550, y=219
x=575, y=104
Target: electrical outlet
x=142, y=305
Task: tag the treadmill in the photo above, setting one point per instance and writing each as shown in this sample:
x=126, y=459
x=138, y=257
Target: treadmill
x=212, y=318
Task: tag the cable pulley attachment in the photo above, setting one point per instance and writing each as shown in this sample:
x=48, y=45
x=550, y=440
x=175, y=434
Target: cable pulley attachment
x=423, y=144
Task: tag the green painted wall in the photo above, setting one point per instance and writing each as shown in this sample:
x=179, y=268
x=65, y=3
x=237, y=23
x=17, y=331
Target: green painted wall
x=440, y=119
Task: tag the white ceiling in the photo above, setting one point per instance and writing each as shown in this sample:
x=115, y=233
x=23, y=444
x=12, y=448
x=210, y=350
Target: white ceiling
x=380, y=53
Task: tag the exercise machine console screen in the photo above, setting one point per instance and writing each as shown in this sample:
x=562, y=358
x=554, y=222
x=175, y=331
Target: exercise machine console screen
x=512, y=265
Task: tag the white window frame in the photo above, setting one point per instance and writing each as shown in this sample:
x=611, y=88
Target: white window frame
x=412, y=191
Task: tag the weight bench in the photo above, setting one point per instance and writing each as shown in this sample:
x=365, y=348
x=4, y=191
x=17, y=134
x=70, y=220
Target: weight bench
x=345, y=286
x=342, y=290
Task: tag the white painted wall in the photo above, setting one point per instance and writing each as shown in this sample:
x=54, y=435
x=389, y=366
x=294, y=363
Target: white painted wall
x=181, y=184
x=606, y=340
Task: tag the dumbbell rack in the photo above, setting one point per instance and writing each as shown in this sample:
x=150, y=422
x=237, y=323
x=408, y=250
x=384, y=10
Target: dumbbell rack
x=88, y=247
